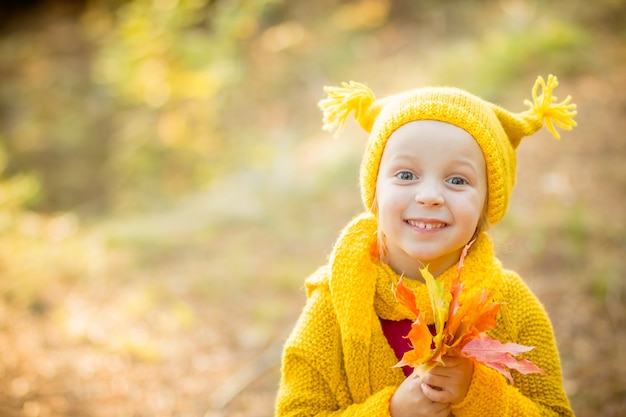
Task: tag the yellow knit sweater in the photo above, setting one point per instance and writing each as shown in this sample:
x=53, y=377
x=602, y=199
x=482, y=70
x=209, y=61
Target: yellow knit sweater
x=337, y=360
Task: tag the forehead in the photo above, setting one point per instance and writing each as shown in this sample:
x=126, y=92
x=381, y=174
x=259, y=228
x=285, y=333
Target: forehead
x=426, y=136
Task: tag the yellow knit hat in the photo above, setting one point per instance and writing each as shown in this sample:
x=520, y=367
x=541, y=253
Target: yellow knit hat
x=497, y=131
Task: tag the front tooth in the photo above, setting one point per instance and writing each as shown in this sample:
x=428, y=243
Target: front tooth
x=423, y=225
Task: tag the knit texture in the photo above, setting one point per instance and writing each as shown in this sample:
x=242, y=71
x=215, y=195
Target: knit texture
x=337, y=358
x=497, y=131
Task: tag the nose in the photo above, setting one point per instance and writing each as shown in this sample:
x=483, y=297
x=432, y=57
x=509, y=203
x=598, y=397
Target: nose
x=429, y=193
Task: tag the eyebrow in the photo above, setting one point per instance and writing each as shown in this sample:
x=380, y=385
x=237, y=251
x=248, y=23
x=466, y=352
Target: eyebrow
x=466, y=161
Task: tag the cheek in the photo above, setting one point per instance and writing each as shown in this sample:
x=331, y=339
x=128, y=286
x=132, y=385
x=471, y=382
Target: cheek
x=382, y=205
x=389, y=200
x=482, y=203
x=476, y=209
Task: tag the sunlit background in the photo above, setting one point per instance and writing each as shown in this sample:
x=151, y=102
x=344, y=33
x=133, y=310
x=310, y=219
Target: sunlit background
x=165, y=186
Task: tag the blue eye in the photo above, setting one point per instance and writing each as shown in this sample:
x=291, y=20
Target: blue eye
x=405, y=176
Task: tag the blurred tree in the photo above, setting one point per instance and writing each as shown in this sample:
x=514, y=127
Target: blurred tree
x=121, y=103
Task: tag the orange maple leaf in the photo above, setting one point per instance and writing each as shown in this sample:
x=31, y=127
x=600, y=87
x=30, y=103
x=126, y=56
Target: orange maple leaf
x=459, y=328
x=406, y=297
x=421, y=341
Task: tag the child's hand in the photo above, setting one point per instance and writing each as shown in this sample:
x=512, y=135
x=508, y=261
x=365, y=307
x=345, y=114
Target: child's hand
x=410, y=401
x=449, y=383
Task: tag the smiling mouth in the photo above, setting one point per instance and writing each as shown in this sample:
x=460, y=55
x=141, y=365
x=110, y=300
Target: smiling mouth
x=426, y=225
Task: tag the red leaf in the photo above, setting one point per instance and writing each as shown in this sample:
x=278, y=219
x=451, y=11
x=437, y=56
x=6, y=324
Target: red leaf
x=499, y=356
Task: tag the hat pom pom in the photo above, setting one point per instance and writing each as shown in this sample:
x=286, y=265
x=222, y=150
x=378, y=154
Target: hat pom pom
x=545, y=108
x=341, y=101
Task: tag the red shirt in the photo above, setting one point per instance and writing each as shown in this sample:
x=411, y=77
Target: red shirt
x=395, y=332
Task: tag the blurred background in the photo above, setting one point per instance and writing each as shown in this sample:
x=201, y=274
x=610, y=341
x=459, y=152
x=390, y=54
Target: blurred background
x=165, y=186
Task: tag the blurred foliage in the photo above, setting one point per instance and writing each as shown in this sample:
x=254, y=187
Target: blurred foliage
x=128, y=105
x=122, y=107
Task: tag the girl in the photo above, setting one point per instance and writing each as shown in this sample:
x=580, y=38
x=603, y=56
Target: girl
x=438, y=169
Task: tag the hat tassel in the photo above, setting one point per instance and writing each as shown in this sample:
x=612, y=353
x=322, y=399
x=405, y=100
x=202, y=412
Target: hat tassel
x=545, y=107
x=341, y=101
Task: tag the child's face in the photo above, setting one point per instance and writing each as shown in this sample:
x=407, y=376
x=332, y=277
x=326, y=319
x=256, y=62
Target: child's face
x=430, y=194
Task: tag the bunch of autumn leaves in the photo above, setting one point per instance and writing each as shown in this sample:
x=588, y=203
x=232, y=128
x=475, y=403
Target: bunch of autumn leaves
x=460, y=329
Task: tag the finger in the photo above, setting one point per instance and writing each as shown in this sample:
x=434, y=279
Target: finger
x=436, y=394
x=445, y=369
x=436, y=380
